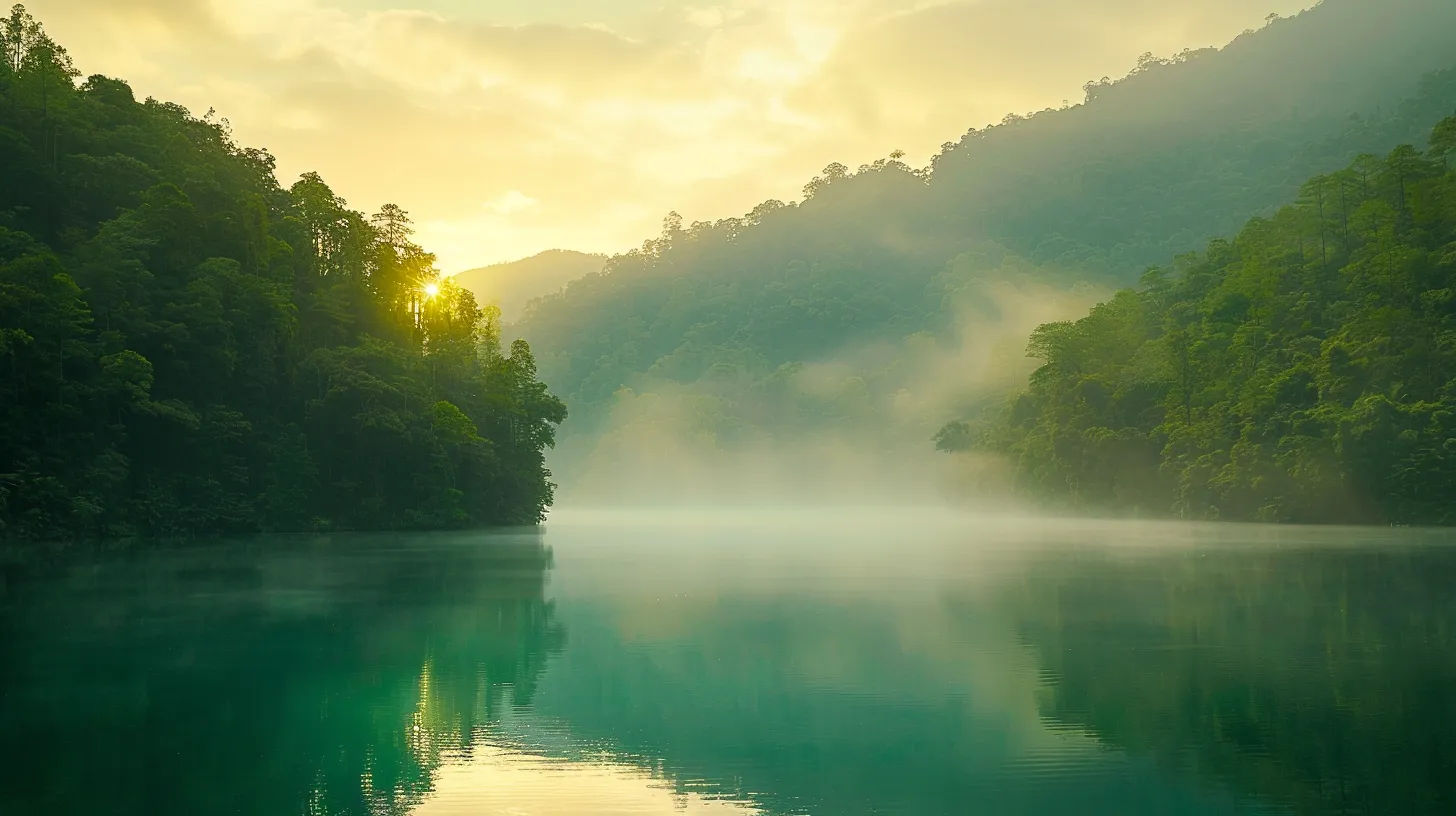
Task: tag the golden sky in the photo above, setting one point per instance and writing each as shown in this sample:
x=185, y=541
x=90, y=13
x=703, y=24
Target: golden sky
x=511, y=126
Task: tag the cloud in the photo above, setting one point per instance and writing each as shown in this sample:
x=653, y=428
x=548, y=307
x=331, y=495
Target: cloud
x=703, y=108
x=513, y=201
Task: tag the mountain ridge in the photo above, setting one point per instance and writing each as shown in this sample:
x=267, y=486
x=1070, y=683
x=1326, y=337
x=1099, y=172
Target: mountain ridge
x=1147, y=168
x=887, y=231
x=510, y=285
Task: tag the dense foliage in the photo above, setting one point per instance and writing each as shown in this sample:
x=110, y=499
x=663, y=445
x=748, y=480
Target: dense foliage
x=189, y=348
x=1156, y=164
x=1304, y=371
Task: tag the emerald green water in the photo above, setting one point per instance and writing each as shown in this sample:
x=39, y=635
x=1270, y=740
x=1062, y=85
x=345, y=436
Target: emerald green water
x=829, y=663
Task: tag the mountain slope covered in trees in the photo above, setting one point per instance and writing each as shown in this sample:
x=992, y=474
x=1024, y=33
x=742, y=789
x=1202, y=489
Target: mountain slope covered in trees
x=1304, y=371
x=1150, y=166
x=510, y=286
x=190, y=348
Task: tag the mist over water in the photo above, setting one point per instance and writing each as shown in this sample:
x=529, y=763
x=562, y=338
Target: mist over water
x=853, y=428
x=750, y=581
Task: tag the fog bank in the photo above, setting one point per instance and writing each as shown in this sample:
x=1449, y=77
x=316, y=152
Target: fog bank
x=853, y=429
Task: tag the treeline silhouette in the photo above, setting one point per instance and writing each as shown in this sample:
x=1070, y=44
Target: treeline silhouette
x=190, y=348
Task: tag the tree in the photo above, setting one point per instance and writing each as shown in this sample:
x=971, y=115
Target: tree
x=1260, y=380
x=190, y=349
x=1443, y=140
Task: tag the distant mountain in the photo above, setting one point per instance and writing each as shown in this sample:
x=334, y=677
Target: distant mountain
x=1186, y=149
x=1156, y=164
x=512, y=285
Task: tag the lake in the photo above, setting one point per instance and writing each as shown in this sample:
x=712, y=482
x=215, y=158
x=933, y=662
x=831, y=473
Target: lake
x=738, y=661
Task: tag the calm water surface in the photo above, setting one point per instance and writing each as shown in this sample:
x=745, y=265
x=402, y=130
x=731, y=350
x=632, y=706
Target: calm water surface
x=736, y=663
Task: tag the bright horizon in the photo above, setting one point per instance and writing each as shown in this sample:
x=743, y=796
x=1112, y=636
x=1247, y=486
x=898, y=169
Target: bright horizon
x=509, y=127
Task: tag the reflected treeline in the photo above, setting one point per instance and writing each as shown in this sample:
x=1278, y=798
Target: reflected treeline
x=337, y=676
x=1278, y=676
x=321, y=676
x=1319, y=680
x=793, y=704
x=815, y=704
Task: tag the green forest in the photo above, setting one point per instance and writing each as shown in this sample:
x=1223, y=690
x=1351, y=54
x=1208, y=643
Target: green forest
x=190, y=348
x=1304, y=371
x=1182, y=150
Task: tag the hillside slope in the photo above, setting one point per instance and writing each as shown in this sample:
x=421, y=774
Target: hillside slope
x=1148, y=167
x=190, y=348
x=1304, y=371
x=510, y=286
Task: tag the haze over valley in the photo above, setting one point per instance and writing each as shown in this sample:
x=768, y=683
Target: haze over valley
x=819, y=342
x=776, y=407
x=863, y=336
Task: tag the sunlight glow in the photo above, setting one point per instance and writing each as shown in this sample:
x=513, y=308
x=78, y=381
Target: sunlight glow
x=432, y=289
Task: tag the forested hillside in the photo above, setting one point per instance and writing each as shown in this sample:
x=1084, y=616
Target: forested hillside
x=1178, y=152
x=189, y=348
x=510, y=286
x=1304, y=371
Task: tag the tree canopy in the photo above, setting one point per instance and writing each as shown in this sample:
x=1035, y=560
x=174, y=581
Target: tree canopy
x=188, y=347
x=1182, y=150
x=1303, y=371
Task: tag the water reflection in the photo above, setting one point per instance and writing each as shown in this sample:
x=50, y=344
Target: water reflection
x=325, y=677
x=801, y=666
x=1319, y=678
x=513, y=781
x=831, y=669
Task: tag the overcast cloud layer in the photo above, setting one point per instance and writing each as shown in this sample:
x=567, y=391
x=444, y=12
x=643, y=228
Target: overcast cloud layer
x=511, y=126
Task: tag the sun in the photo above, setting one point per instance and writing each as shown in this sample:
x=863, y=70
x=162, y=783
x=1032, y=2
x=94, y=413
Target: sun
x=432, y=289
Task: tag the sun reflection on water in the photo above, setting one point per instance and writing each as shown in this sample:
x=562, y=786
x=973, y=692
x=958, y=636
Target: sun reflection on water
x=499, y=780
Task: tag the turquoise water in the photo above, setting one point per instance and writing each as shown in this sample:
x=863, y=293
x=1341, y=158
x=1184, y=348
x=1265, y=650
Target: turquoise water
x=734, y=662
